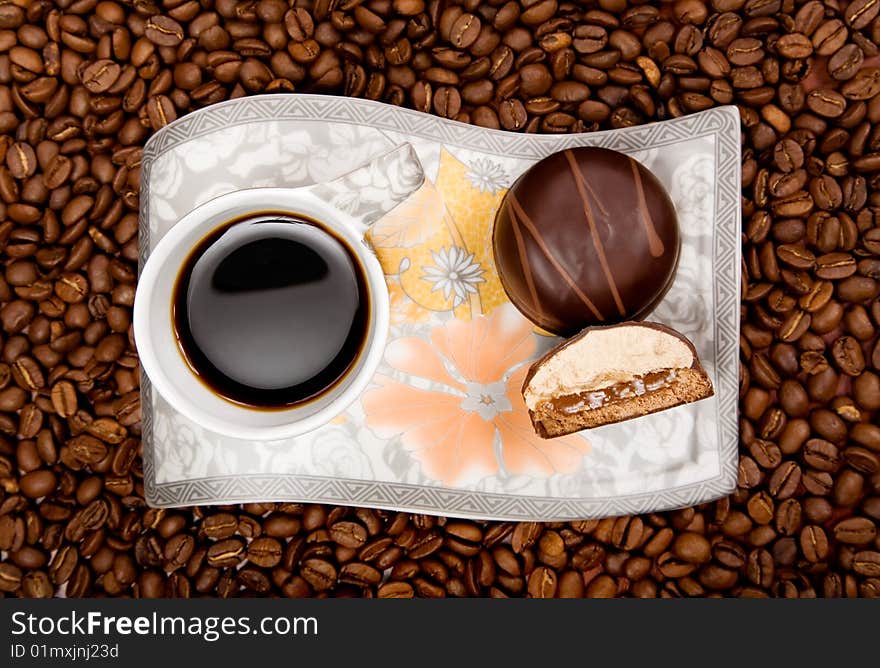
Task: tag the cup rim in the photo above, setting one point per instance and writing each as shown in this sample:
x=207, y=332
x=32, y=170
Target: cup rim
x=350, y=388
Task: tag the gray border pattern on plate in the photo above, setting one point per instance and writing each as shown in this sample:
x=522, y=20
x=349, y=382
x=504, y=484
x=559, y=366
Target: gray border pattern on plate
x=722, y=122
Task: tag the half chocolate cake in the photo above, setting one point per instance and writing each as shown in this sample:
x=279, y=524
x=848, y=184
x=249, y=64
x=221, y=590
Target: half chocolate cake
x=611, y=374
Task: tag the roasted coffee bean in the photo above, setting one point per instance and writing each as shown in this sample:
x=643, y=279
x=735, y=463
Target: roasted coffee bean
x=464, y=31
x=542, y=583
x=784, y=481
x=396, y=590
x=359, y=574
x=821, y=455
x=163, y=31
x=848, y=488
x=220, y=526
x=229, y=552
x=827, y=103
x=512, y=115
x=864, y=85
x=866, y=390
x=860, y=13
x=281, y=525
x=867, y=563
x=178, y=550
x=100, y=76
x=63, y=564
x=835, y=266
x=64, y=399
x=320, y=574
x=814, y=543
x=160, y=111
x=855, y=531
x=845, y=63
x=348, y=534
x=692, y=548
x=848, y=355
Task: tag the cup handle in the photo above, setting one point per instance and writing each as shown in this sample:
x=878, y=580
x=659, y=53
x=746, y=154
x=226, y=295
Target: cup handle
x=372, y=190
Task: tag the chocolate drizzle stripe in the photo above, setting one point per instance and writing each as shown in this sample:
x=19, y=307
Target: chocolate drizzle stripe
x=593, y=194
x=526, y=221
x=524, y=260
x=655, y=243
x=580, y=182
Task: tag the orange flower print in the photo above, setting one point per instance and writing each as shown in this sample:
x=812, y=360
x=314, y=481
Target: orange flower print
x=463, y=417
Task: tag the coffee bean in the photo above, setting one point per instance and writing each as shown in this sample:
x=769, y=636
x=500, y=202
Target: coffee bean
x=845, y=62
x=348, y=534
x=542, y=583
x=717, y=578
x=220, y=526
x=603, y=586
x=160, y=111
x=692, y=548
x=100, y=76
x=848, y=487
x=627, y=532
x=866, y=390
x=788, y=155
x=784, y=481
x=794, y=45
x=740, y=52
x=855, y=531
x=396, y=590
x=821, y=455
x=359, y=574
x=848, y=355
x=826, y=103
x=864, y=85
x=512, y=114
x=814, y=543
x=320, y=574
x=568, y=92
x=835, y=266
x=570, y=585
x=280, y=525
x=163, y=31
x=672, y=566
x=867, y=563
x=178, y=550
x=860, y=13
x=464, y=31
x=63, y=564
x=10, y=577
x=229, y=552
x=27, y=374
x=264, y=552
x=38, y=483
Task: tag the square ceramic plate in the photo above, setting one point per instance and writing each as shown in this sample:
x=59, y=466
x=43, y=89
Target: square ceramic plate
x=442, y=429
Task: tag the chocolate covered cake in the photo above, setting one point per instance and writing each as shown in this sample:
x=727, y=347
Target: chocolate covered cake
x=610, y=374
x=587, y=236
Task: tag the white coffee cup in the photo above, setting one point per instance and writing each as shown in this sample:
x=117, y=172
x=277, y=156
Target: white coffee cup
x=347, y=206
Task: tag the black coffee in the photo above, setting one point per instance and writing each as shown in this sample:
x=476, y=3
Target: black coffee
x=271, y=311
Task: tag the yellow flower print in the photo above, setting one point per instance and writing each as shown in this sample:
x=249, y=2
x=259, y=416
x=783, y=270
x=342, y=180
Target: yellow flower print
x=439, y=242
x=472, y=195
x=403, y=309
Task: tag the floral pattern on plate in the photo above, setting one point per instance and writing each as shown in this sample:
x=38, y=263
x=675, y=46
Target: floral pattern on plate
x=457, y=408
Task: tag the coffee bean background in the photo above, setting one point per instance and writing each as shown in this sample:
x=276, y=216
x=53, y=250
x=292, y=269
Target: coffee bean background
x=84, y=83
